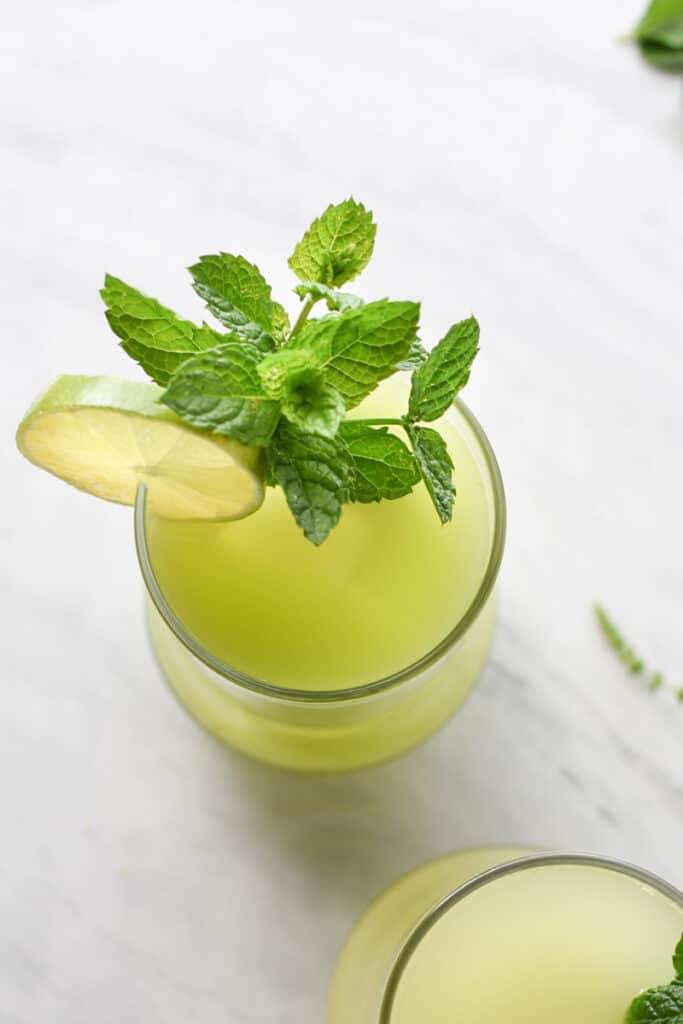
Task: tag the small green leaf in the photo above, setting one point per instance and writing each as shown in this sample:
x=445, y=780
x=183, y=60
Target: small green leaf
x=661, y=1005
x=307, y=400
x=445, y=371
x=678, y=959
x=337, y=246
x=417, y=355
x=660, y=34
x=315, y=473
x=221, y=390
x=336, y=300
x=238, y=295
x=383, y=466
x=150, y=333
x=358, y=349
x=436, y=468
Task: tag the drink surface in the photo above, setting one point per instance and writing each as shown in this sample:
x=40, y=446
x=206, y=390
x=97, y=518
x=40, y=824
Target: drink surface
x=551, y=945
x=387, y=586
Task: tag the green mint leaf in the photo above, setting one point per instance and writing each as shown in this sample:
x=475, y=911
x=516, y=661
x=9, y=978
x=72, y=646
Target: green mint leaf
x=383, y=466
x=336, y=301
x=678, y=959
x=221, y=391
x=661, y=1005
x=417, y=355
x=306, y=399
x=238, y=295
x=445, y=372
x=436, y=468
x=358, y=349
x=315, y=473
x=281, y=324
x=337, y=246
x=150, y=333
x=660, y=34
x=314, y=406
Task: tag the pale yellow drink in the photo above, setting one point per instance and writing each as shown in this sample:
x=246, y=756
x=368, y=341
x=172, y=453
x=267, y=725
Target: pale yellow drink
x=387, y=587
x=555, y=943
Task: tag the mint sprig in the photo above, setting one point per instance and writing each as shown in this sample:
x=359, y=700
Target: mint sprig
x=288, y=389
x=629, y=657
x=662, y=1004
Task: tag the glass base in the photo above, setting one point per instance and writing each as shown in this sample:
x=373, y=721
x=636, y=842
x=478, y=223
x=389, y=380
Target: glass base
x=367, y=958
x=312, y=736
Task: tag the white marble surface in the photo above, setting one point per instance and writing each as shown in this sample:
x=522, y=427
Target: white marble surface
x=521, y=164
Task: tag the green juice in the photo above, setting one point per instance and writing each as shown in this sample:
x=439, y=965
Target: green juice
x=387, y=587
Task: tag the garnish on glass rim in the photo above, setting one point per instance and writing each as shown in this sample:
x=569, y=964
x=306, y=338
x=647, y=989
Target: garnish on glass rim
x=662, y=1004
x=288, y=388
x=633, y=662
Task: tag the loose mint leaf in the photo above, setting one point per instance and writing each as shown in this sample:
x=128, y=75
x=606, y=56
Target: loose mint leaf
x=336, y=300
x=445, y=371
x=661, y=1005
x=358, y=349
x=337, y=246
x=238, y=295
x=383, y=466
x=150, y=333
x=221, y=390
x=436, y=469
x=660, y=34
x=416, y=357
x=315, y=474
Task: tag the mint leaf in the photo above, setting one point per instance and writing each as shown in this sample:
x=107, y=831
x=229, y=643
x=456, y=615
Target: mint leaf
x=661, y=1005
x=660, y=34
x=238, y=295
x=445, y=371
x=150, y=333
x=417, y=355
x=307, y=400
x=315, y=473
x=359, y=348
x=337, y=246
x=678, y=959
x=336, y=300
x=383, y=466
x=281, y=324
x=436, y=468
x=221, y=390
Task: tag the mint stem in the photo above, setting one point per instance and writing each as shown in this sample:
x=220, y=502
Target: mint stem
x=303, y=316
x=382, y=423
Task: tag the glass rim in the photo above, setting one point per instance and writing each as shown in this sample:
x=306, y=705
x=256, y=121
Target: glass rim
x=230, y=674
x=536, y=860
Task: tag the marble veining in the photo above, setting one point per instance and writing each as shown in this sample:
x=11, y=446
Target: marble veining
x=520, y=165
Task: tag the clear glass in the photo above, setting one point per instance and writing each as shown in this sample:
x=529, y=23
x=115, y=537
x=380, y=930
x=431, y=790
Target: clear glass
x=325, y=729
x=396, y=930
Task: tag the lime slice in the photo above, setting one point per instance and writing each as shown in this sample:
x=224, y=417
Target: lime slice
x=106, y=436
